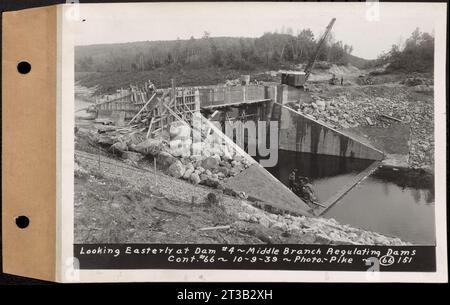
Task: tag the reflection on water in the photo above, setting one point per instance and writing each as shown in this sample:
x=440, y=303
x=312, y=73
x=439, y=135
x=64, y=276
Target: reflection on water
x=327, y=173
x=80, y=108
x=396, y=202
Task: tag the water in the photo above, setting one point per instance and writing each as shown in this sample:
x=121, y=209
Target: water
x=392, y=202
x=80, y=106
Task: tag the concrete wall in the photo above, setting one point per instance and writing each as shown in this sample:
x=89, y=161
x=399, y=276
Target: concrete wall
x=300, y=133
x=291, y=94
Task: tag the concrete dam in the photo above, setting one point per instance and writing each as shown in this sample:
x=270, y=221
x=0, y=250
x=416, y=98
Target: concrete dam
x=255, y=104
x=296, y=133
x=300, y=133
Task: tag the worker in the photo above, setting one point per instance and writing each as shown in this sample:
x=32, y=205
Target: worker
x=342, y=80
x=333, y=79
x=294, y=186
x=292, y=178
x=151, y=87
x=302, y=187
x=307, y=191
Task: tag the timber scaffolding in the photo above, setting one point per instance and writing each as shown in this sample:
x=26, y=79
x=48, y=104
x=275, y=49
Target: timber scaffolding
x=158, y=108
x=154, y=108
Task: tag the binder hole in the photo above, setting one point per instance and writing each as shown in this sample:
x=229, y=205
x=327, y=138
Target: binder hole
x=22, y=221
x=24, y=67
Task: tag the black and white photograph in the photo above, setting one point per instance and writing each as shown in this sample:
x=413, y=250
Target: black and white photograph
x=255, y=124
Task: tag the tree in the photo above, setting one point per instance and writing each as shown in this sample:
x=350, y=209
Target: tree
x=417, y=54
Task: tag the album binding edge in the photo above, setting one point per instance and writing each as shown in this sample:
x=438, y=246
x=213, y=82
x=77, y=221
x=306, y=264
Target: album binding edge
x=29, y=145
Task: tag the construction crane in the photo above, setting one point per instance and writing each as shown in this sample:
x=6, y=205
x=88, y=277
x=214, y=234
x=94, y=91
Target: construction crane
x=298, y=79
x=312, y=60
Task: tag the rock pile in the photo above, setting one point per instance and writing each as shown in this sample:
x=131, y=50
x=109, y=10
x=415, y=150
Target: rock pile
x=421, y=153
x=369, y=106
x=314, y=230
x=416, y=80
x=203, y=159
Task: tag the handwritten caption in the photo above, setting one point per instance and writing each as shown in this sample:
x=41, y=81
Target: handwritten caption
x=307, y=257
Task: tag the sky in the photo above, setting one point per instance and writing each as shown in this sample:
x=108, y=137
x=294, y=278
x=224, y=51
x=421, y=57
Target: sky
x=371, y=28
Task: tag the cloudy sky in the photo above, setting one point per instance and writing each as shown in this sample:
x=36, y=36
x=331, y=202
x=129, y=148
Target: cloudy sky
x=370, y=28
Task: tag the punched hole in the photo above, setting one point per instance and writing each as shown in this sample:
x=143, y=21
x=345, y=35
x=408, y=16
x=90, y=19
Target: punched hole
x=23, y=67
x=22, y=221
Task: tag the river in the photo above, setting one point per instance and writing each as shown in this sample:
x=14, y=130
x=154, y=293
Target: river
x=394, y=202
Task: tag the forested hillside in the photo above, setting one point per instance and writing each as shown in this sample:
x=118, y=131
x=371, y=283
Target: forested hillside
x=268, y=51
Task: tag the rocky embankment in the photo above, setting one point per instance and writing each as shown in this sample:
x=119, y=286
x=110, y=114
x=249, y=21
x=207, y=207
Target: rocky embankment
x=314, y=230
x=409, y=103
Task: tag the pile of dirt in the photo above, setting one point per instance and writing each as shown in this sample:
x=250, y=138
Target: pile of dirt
x=342, y=70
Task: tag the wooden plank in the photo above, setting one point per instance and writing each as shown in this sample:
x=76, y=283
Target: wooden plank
x=142, y=109
x=156, y=130
x=214, y=114
x=215, y=228
x=150, y=126
x=174, y=114
x=390, y=117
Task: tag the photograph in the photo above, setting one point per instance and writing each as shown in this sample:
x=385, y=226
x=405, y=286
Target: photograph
x=245, y=123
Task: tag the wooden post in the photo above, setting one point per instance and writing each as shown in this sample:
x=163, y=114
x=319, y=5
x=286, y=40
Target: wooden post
x=156, y=176
x=197, y=100
x=150, y=126
x=173, y=89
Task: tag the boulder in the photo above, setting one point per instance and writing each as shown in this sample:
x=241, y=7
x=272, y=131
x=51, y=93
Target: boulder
x=225, y=164
x=235, y=170
x=227, y=155
x=180, y=148
x=243, y=216
x=210, y=163
x=187, y=174
x=176, y=169
x=133, y=156
x=179, y=130
x=222, y=170
x=279, y=226
x=264, y=221
x=322, y=239
x=253, y=219
x=197, y=149
x=101, y=139
x=118, y=147
x=212, y=198
x=321, y=105
x=210, y=182
x=230, y=192
x=195, y=179
x=165, y=159
x=149, y=147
